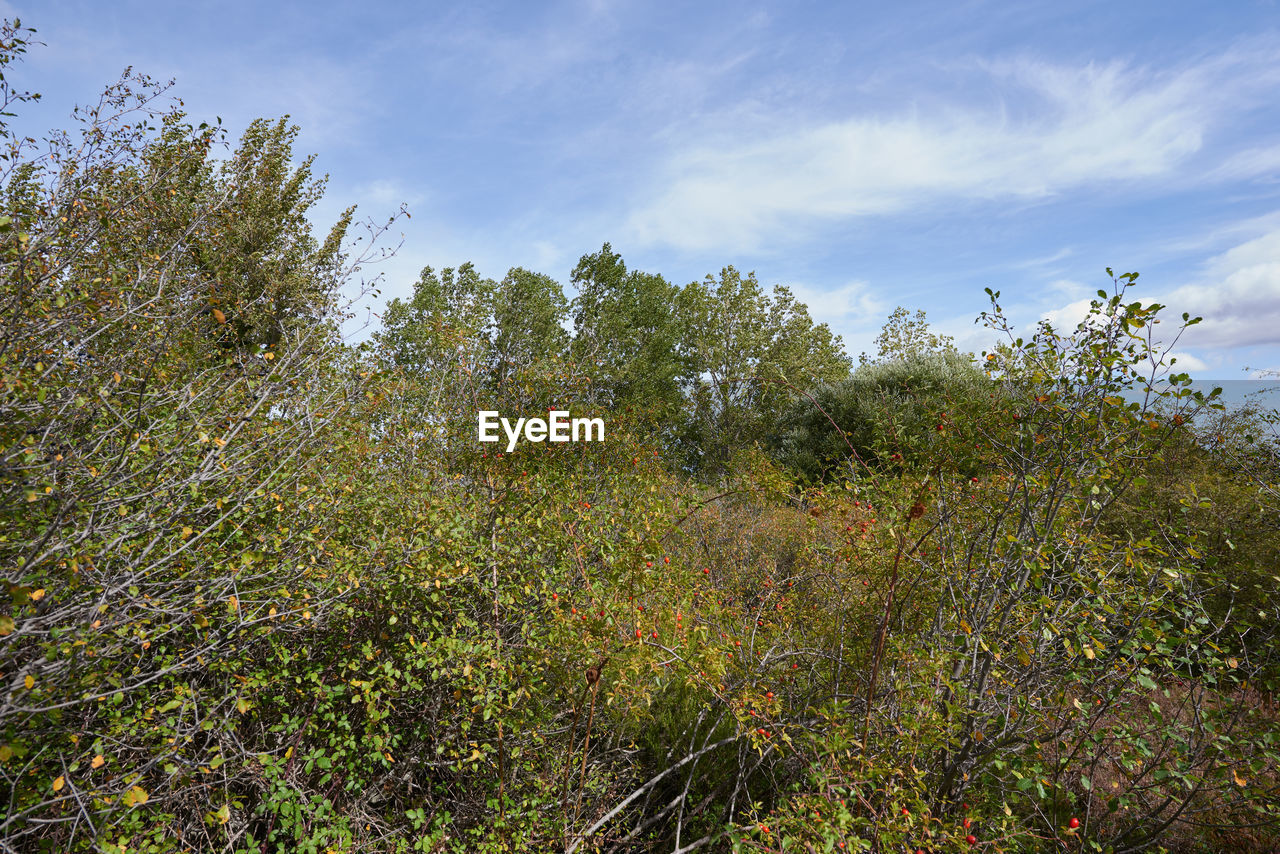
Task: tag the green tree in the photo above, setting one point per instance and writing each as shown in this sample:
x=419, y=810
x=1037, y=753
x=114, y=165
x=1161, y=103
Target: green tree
x=887, y=413
x=626, y=335
x=746, y=356
x=529, y=317
x=904, y=336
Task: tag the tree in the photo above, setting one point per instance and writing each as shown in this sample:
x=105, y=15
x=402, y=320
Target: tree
x=746, y=356
x=626, y=335
x=171, y=363
x=529, y=317
x=904, y=336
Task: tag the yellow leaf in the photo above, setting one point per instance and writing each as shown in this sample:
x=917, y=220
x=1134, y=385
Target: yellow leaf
x=219, y=316
x=224, y=814
x=1240, y=781
x=58, y=783
x=1088, y=653
x=475, y=754
x=30, y=682
x=136, y=795
x=97, y=761
x=6, y=626
x=1232, y=663
x=964, y=627
x=37, y=595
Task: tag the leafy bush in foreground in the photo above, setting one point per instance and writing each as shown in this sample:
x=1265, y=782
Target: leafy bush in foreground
x=266, y=592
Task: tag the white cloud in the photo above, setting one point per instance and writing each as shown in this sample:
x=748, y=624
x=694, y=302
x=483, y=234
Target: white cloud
x=1068, y=317
x=851, y=302
x=1238, y=296
x=1237, y=293
x=386, y=195
x=1056, y=128
x=1185, y=362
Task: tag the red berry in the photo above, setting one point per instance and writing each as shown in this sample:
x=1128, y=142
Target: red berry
x=648, y=563
x=971, y=839
x=906, y=811
x=706, y=571
x=1074, y=823
x=768, y=695
x=966, y=823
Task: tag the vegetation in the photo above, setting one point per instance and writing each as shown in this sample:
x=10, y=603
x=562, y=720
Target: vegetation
x=267, y=593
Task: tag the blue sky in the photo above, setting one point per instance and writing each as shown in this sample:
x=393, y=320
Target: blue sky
x=867, y=155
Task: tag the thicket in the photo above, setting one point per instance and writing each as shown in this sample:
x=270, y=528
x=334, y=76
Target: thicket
x=266, y=592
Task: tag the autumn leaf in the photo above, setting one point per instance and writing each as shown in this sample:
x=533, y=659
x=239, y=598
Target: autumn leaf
x=59, y=782
x=97, y=761
x=219, y=316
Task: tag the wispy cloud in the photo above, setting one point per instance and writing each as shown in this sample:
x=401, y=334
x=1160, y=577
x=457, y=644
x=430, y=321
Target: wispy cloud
x=1055, y=128
x=1260, y=162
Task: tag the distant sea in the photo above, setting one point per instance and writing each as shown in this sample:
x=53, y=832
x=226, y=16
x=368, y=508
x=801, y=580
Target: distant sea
x=1236, y=393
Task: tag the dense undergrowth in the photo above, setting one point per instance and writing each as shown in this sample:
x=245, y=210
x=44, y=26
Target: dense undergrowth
x=267, y=593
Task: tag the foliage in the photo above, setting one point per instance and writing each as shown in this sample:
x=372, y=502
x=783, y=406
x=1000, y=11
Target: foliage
x=748, y=355
x=625, y=332
x=267, y=592
x=887, y=414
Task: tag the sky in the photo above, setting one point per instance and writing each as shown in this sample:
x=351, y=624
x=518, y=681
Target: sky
x=866, y=155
